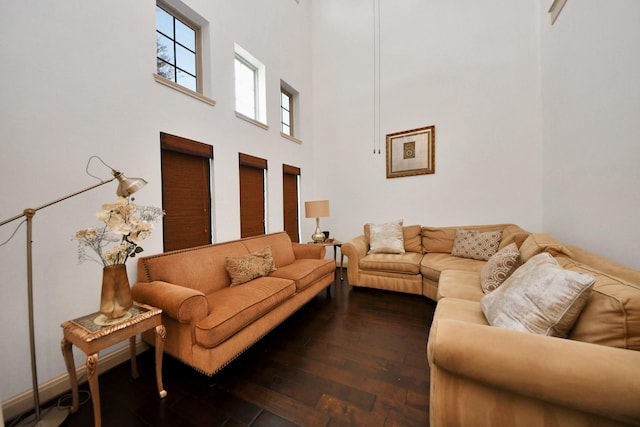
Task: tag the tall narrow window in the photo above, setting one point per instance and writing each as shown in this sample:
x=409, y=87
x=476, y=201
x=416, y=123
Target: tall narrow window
x=252, y=171
x=286, y=112
x=186, y=192
x=290, y=200
x=177, y=50
x=250, y=87
x=246, y=88
x=289, y=112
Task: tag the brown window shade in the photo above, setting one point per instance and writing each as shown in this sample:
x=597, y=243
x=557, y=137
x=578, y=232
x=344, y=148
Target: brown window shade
x=290, y=201
x=254, y=162
x=186, y=146
x=252, y=213
x=186, y=193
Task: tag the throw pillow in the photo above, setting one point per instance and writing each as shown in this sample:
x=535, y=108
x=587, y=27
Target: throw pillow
x=499, y=267
x=386, y=238
x=540, y=297
x=475, y=244
x=242, y=269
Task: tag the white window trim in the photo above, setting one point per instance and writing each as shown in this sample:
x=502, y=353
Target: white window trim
x=261, y=92
x=203, y=45
x=175, y=86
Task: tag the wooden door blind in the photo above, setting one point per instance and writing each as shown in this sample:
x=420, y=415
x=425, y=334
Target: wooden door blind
x=252, y=195
x=186, y=192
x=290, y=202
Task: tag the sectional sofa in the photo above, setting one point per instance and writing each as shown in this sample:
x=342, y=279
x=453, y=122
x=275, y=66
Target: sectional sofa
x=491, y=361
x=217, y=300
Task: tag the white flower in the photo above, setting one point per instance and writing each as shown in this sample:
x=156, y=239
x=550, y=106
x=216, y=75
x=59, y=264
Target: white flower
x=125, y=224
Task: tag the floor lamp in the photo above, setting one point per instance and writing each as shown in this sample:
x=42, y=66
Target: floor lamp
x=126, y=187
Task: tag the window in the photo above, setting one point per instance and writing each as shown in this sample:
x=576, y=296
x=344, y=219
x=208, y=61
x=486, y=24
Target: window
x=246, y=88
x=250, y=87
x=290, y=201
x=286, y=112
x=177, y=49
x=186, y=192
x=252, y=171
x=289, y=112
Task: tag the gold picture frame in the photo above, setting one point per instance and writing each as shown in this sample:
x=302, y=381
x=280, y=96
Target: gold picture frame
x=411, y=152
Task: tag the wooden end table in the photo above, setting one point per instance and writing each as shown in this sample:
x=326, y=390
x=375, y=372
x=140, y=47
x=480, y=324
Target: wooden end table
x=336, y=245
x=91, y=337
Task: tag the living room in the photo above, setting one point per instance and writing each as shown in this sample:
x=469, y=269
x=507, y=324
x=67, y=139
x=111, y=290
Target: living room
x=533, y=125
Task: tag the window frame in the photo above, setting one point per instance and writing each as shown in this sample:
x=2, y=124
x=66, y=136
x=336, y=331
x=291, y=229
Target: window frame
x=294, y=112
x=176, y=15
x=193, y=20
x=289, y=113
x=260, y=93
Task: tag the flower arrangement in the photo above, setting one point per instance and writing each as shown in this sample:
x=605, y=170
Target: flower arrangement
x=126, y=226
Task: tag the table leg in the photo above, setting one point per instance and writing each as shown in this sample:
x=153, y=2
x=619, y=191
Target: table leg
x=134, y=359
x=92, y=375
x=67, y=353
x=161, y=334
x=341, y=264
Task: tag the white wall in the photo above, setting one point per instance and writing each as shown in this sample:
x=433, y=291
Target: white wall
x=591, y=105
x=471, y=69
x=77, y=81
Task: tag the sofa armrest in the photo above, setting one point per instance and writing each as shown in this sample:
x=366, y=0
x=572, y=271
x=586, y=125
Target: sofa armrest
x=355, y=249
x=186, y=305
x=586, y=377
x=308, y=251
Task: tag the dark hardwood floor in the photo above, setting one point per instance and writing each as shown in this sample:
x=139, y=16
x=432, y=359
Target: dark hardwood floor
x=356, y=358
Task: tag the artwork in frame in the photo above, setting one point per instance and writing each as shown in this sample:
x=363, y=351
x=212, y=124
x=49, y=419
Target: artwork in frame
x=411, y=152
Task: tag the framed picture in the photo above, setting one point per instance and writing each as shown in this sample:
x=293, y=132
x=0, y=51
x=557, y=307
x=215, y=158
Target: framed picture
x=411, y=152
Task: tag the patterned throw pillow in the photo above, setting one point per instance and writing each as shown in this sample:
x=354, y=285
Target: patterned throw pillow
x=386, y=238
x=499, y=267
x=476, y=245
x=540, y=297
x=244, y=268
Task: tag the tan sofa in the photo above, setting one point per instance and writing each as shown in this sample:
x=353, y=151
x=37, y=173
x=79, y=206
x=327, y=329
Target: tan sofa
x=483, y=375
x=208, y=322
x=427, y=255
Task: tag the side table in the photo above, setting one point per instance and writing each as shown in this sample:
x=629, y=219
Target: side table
x=91, y=337
x=336, y=245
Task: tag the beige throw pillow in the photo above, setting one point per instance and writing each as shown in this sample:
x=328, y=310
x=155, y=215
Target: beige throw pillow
x=540, y=297
x=475, y=244
x=386, y=238
x=242, y=269
x=499, y=267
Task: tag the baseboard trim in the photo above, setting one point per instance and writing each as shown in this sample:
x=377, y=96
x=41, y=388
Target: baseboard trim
x=57, y=386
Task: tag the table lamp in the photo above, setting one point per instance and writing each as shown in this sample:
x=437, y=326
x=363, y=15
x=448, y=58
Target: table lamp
x=316, y=209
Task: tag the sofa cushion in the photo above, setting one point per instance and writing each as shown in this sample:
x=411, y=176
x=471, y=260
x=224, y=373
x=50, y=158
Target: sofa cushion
x=244, y=268
x=305, y=272
x=411, y=234
x=233, y=308
x=537, y=243
x=440, y=239
x=433, y=264
x=386, y=238
x=476, y=244
x=540, y=297
x=499, y=267
x=611, y=315
x=200, y=268
x=408, y=262
x=460, y=284
x=460, y=309
x=280, y=244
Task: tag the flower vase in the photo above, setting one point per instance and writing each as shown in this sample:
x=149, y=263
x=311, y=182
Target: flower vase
x=115, y=299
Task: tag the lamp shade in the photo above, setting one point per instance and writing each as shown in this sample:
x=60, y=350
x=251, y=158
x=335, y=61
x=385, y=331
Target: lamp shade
x=316, y=209
x=128, y=186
